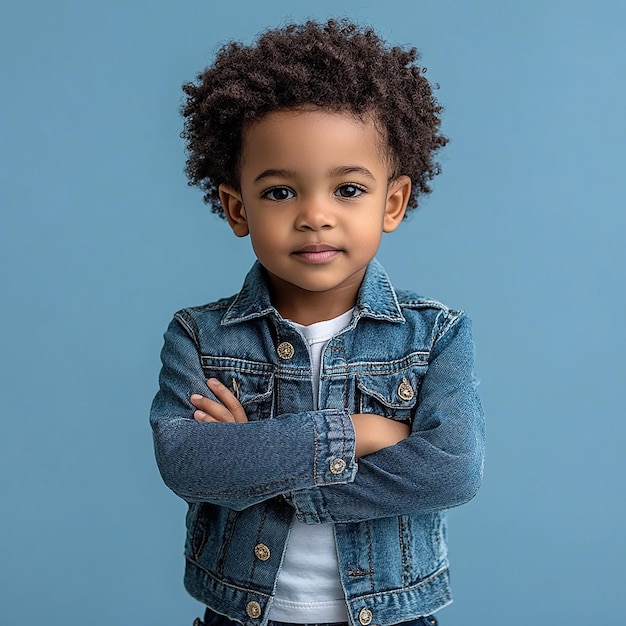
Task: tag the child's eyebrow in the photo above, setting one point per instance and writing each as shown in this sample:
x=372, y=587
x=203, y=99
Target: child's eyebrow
x=276, y=173
x=342, y=170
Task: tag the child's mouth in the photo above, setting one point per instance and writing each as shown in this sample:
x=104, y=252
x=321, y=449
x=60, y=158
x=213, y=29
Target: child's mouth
x=317, y=253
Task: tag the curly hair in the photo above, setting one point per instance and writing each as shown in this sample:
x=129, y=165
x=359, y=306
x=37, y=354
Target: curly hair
x=338, y=66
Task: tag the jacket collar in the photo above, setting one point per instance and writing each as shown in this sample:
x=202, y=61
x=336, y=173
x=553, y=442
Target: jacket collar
x=376, y=298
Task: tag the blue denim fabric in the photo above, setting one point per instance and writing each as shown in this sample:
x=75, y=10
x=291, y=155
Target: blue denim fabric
x=402, y=356
x=213, y=619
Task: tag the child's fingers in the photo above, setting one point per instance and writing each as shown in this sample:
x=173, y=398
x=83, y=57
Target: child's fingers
x=228, y=409
x=201, y=416
x=225, y=395
x=209, y=410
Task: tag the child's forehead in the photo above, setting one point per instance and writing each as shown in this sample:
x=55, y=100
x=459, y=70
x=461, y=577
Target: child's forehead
x=313, y=141
x=302, y=110
x=300, y=122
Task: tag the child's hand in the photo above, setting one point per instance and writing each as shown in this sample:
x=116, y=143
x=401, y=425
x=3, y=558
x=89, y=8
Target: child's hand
x=228, y=409
x=375, y=432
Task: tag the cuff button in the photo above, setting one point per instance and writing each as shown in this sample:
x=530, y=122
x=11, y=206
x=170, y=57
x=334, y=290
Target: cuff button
x=365, y=617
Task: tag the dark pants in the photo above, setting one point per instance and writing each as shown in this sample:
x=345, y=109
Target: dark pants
x=213, y=619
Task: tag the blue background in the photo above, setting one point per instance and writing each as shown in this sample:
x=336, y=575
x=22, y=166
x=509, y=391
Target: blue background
x=101, y=241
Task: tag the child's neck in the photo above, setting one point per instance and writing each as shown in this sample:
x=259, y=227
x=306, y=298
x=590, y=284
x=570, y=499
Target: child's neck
x=309, y=307
x=311, y=314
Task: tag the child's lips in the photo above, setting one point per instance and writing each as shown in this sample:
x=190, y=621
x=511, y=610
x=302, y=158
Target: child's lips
x=317, y=253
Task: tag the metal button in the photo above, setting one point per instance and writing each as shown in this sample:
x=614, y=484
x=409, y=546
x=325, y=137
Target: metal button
x=365, y=617
x=337, y=466
x=262, y=552
x=405, y=391
x=285, y=350
x=253, y=609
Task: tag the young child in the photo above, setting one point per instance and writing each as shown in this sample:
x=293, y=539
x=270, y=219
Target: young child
x=320, y=422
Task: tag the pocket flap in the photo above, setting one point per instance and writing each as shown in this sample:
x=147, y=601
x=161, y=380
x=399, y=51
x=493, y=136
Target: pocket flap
x=395, y=391
x=248, y=383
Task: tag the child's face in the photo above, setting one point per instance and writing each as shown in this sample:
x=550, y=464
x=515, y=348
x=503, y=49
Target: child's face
x=315, y=198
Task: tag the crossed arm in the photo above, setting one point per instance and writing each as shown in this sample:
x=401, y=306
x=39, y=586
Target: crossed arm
x=372, y=432
x=199, y=434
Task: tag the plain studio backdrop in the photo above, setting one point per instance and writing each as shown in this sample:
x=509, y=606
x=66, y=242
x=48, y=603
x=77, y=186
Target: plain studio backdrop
x=101, y=241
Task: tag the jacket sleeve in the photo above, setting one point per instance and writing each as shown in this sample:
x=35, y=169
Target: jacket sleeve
x=438, y=466
x=238, y=465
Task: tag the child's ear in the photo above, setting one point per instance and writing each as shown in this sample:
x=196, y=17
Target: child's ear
x=398, y=195
x=232, y=203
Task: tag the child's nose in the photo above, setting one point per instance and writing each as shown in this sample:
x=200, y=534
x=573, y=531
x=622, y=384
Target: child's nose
x=314, y=214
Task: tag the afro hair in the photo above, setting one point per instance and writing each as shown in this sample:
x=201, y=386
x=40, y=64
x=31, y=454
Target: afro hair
x=336, y=66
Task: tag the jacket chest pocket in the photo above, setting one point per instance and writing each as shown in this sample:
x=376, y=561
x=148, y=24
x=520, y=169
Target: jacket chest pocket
x=393, y=395
x=252, y=386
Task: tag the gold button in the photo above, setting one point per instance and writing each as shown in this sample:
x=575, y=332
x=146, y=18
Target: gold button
x=253, y=609
x=337, y=466
x=262, y=552
x=285, y=350
x=365, y=617
x=405, y=391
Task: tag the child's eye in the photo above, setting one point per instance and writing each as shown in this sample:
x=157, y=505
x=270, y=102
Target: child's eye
x=349, y=191
x=278, y=194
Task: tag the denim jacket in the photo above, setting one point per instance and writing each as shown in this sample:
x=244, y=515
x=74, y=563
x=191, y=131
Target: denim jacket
x=402, y=356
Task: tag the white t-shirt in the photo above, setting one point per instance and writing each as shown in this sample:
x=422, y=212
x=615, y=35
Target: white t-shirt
x=309, y=588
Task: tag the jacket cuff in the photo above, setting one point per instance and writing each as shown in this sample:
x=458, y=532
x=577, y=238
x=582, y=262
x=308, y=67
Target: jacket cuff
x=334, y=463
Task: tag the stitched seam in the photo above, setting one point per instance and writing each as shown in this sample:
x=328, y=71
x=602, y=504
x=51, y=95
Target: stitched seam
x=418, y=358
x=229, y=531
x=370, y=557
x=245, y=590
x=250, y=492
x=315, y=446
x=198, y=552
x=401, y=542
x=257, y=539
x=239, y=365
x=187, y=321
x=405, y=552
x=445, y=325
x=432, y=577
